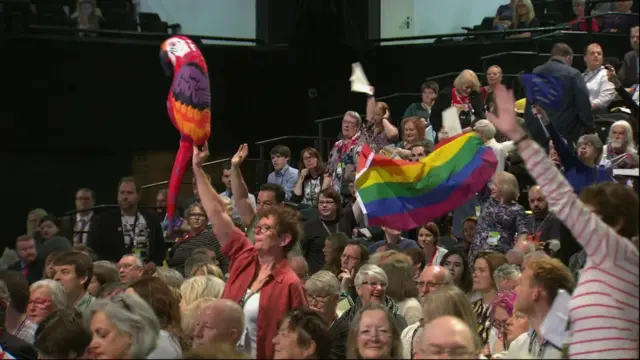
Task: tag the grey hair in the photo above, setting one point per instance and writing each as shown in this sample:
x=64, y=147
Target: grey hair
x=485, y=129
x=370, y=270
x=132, y=315
x=138, y=261
x=322, y=282
x=169, y=276
x=628, y=136
x=579, y=2
x=106, y=263
x=355, y=115
x=506, y=272
x=58, y=295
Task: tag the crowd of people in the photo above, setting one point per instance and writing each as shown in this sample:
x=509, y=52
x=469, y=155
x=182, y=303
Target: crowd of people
x=296, y=272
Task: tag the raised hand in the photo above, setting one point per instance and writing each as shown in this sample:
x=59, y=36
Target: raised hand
x=199, y=156
x=241, y=154
x=506, y=121
x=303, y=173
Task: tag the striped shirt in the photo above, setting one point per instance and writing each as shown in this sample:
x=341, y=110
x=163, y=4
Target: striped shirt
x=182, y=251
x=604, y=307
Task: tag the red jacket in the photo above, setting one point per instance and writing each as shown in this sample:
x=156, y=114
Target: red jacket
x=284, y=292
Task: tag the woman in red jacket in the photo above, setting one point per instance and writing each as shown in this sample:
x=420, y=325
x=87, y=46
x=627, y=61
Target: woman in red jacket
x=260, y=278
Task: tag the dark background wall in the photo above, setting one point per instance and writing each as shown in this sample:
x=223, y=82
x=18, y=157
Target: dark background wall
x=74, y=112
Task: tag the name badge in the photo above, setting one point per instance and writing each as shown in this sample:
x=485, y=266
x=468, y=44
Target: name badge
x=478, y=211
x=494, y=236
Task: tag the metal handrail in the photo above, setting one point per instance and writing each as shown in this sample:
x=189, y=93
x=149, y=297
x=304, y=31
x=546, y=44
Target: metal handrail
x=214, y=162
x=473, y=33
x=263, y=142
x=141, y=34
x=558, y=33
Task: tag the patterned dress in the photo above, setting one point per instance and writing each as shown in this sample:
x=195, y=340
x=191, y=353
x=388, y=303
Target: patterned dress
x=498, y=225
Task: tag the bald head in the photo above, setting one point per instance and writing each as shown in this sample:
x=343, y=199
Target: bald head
x=221, y=321
x=448, y=335
x=538, y=202
x=431, y=279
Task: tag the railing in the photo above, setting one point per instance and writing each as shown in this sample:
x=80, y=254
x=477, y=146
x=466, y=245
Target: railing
x=263, y=161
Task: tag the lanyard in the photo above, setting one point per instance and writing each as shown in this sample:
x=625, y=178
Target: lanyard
x=19, y=328
x=283, y=176
x=435, y=252
x=533, y=224
x=541, y=349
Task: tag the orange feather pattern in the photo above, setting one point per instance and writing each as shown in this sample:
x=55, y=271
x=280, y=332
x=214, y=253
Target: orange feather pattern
x=194, y=123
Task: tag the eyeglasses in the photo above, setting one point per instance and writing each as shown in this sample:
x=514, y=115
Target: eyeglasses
x=374, y=284
x=429, y=284
x=381, y=332
x=455, y=353
x=319, y=300
x=349, y=257
x=262, y=229
x=197, y=215
x=40, y=303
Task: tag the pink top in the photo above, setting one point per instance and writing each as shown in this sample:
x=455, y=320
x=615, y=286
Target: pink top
x=604, y=307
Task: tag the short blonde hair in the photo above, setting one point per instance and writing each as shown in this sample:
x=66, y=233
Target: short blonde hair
x=199, y=287
x=508, y=185
x=369, y=270
x=207, y=269
x=467, y=78
x=190, y=315
x=322, y=283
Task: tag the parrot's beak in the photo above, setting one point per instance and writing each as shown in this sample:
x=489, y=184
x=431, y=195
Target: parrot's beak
x=166, y=63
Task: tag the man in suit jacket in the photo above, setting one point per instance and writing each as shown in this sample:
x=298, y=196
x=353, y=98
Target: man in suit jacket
x=29, y=263
x=128, y=230
x=76, y=227
x=575, y=118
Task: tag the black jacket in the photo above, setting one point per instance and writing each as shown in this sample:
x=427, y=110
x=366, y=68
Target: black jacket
x=575, y=118
x=68, y=225
x=36, y=269
x=107, y=239
x=443, y=102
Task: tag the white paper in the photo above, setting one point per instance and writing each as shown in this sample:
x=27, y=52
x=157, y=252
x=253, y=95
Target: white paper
x=451, y=122
x=626, y=172
x=554, y=326
x=365, y=232
x=359, y=82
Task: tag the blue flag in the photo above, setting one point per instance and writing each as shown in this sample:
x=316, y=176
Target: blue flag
x=543, y=90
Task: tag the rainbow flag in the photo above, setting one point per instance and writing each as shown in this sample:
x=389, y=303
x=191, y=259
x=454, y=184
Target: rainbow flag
x=404, y=195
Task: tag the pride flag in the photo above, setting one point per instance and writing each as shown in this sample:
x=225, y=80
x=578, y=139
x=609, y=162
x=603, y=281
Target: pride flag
x=404, y=195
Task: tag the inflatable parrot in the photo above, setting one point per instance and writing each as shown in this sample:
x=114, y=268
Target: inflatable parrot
x=188, y=105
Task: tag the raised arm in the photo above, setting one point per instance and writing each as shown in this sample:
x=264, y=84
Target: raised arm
x=246, y=210
x=600, y=241
x=212, y=202
x=567, y=158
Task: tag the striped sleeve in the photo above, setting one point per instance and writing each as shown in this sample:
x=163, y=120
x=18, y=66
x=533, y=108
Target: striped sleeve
x=600, y=241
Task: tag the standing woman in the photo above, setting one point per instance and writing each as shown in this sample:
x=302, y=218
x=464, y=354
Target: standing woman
x=378, y=132
x=502, y=220
x=311, y=179
x=260, y=277
x=604, y=220
x=464, y=96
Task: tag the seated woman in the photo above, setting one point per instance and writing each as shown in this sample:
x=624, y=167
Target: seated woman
x=87, y=15
x=580, y=23
x=504, y=15
x=523, y=18
x=46, y=296
x=302, y=334
x=464, y=96
x=413, y=132
x=123, y=327
x=373, y=334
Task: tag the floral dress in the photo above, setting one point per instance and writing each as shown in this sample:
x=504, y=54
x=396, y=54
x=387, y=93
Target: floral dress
x=343, y=160
x=498, y=225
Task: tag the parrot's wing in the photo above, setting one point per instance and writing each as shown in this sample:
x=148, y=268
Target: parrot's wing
x=191, y=103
